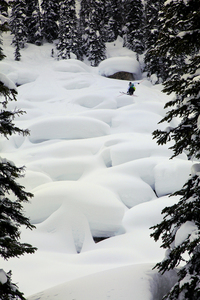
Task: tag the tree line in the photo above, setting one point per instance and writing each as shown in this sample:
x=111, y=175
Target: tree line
x=84, y=27
x=167, y=33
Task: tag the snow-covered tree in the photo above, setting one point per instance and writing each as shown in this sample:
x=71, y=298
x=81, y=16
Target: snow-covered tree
x=4, y=8
x=9, y=290
x=112, y=20
x=3, y=23
x=83, y=22
x=152, y=21
x=50, y=16
x=91, y=28
x=12, y=194
x=18, y=27
x=133, y=25
x=68, y=38
x=1, y=49
x=154, y=63
x=180, y=39
x=33, y=22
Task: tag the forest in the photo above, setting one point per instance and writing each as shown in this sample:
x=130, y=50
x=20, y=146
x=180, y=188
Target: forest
x=166, y=35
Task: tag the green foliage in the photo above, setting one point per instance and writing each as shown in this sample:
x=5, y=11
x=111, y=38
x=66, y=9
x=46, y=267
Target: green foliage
x=7, y=127
x=153, y=61
x=17, y=26
x=179, y=43
x=112, y=19
x=186, y=210
x=33, y=22
x=133, y=25
x=68, y=36
x=9, y=290
x=184, y=77
x=50, y=16
x=91, y=28
x=12, y=196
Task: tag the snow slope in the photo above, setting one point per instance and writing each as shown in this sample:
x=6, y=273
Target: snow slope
x=94, y=171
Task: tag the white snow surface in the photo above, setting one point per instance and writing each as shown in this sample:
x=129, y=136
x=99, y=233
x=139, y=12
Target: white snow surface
x=116, y=64
x=95, y=171
x=3, y=277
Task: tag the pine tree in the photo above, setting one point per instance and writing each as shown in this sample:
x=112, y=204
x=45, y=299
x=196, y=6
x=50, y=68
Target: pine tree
x=33, y=22
x=112, y=20
x=3, y=24
x=91, y=26
x=154, y=63
x=18, y=27
x=83, y=22
x=1, y=49
x=180, y=39
x=4, y=8
x=133, y=25
x=9, y=290
x=50, y=16
x=152, y=21
x=67, y=30
x=109, y=23
x=12, y=195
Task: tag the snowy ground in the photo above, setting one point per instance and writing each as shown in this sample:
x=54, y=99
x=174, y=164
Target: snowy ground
x=95, y=171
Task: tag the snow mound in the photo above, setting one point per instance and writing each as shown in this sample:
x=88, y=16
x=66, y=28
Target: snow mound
x=171, y=175
x=3, y=277
x=195, y=169
x=21, y=77
x=71, y=65
x=114, y=284
x=102, y=207
x=120, y=64
x=67, y=128
x=7, y=82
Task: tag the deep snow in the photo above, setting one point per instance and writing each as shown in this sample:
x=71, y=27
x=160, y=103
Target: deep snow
x=94, y=170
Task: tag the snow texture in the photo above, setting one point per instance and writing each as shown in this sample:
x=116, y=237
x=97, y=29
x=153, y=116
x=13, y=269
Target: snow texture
x=96, y=174
x=7, y=82
x=116, y=64
x=3, y=277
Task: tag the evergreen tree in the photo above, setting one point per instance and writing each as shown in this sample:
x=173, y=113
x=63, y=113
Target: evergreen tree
x=12, y=195
x=110, y=18
x=3, y=23
x=4, y=8
x=33, y=22
x=67, y=30
x=154, y=63
x=109, y=23
x=133, y=25
x=91, y=27
x=83, y=22
x=152, y=21
x=9, y=290
x=17, y=26
x=1, y=49
x=50, y=16
x=180, y=39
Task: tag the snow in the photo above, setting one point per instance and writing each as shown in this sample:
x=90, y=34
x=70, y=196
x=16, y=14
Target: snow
x=7, y=82
x=198, y=122
x=95, y=171
x=187, y=229
x=116, y=64
x=3, y=277
x=109, y=285
x=195, y=169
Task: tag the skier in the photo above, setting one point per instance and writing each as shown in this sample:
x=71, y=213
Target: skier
x=131, y=88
